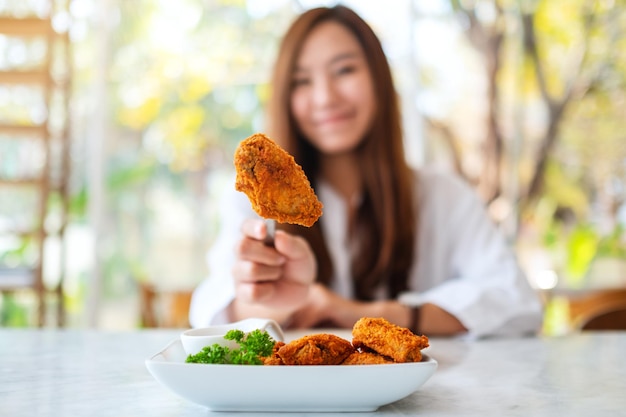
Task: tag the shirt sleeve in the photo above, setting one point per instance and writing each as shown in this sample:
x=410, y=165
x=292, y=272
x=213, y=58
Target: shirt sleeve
x=478, y=280
x=213, y=295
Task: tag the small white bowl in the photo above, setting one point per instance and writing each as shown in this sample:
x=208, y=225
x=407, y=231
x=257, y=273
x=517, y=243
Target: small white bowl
x=194, y=340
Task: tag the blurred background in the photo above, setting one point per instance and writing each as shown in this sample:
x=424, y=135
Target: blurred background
x=119, y=118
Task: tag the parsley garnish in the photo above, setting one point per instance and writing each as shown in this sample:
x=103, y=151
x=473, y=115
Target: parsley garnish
x=252, y=347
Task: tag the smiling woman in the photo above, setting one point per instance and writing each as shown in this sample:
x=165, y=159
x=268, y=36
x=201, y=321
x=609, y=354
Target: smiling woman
x=182, y=84
x=412, y=246
x=185, y=83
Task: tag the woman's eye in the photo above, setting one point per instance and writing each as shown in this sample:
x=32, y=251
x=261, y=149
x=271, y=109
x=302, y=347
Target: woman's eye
x=348, y=69
x=298, y=82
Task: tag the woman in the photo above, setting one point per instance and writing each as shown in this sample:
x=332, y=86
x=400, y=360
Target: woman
x=414, y=247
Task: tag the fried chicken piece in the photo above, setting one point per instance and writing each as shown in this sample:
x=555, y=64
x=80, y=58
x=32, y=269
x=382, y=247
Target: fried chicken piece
x=274, y=359
x=317, y=349
x=275, y=184
x=366, y=358
x=388, y=339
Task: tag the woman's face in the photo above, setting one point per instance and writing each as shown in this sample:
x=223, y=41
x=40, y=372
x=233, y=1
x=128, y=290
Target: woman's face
x=332, y=96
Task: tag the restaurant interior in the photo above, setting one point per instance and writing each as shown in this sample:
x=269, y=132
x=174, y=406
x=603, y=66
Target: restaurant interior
x=118, y=122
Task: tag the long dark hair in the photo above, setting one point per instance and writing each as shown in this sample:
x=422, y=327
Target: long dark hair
x=386, y=219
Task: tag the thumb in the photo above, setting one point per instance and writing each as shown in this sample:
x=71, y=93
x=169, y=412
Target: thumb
x=293, y=247
x=301, y=265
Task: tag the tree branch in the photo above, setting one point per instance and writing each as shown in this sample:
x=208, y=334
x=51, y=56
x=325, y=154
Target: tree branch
x=453, y=145
x=555, y=107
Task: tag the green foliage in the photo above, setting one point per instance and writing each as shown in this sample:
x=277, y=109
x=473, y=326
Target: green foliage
x=564, y=189
x=77, y=206
x=252, y=347
x=12, y=313
x=575, y=247
x=125, y=178
x=613, y=245
x=580, y=47
x=19, y=253
x=185, y=74
x=582, y=246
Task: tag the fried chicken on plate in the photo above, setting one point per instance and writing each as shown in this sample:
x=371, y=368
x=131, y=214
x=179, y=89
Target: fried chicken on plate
x=316, y=349
x=274, y=359
x=387, y=339
x=366, y=358
x=275, y=184
x=375, y=341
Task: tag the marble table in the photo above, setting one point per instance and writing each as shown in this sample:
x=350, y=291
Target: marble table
x=97, y=373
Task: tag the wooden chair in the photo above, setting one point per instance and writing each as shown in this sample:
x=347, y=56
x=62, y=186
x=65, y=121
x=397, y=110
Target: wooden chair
x=609, y=320
x=163, y=307
x=604, y=310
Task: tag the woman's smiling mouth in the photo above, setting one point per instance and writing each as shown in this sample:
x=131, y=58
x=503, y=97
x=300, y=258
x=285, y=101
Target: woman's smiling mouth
x=332, y=120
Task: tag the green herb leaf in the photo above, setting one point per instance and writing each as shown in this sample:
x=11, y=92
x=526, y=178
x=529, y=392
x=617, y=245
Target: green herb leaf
x=211, y=354
x=252, y=347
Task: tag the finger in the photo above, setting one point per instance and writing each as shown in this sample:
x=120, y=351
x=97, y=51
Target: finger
x=300, y=266
x=256, y=251
x=254, y=272
x=255, y=292
x=291, y=246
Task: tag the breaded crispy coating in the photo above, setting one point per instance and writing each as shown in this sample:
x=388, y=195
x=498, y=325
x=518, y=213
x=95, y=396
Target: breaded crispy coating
x=317, y=349
x=366, y=358
x=274, y=359
x=388, y=339
x=275, y=184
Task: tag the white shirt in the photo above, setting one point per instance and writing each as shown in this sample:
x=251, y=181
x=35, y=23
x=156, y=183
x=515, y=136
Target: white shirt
x=462, y=261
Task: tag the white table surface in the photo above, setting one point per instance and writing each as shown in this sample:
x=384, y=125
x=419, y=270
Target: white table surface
x=94, y=373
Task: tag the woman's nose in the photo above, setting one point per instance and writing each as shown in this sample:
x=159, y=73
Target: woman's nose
x=324, y=92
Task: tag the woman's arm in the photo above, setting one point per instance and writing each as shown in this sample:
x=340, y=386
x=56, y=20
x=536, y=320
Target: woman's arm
x=435, y=321
x=466, y=267
x=324, y=306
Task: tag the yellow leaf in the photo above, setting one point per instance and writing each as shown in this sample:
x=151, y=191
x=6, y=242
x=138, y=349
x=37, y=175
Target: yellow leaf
x=141, y=116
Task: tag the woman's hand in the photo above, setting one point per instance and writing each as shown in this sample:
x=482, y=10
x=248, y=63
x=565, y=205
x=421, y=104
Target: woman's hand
x=327, y=309
x=277, y=278
x=324, y=307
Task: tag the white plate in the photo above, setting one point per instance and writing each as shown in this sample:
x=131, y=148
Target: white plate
x=287, y=388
